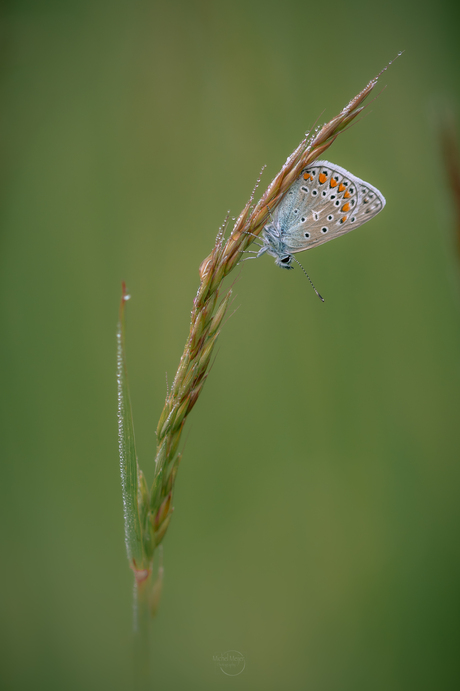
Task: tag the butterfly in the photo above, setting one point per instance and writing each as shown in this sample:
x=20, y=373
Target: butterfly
x=326, y=201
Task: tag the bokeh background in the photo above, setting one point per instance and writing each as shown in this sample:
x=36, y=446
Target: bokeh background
x=317, y=504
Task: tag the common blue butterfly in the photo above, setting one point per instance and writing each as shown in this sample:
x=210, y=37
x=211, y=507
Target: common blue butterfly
x=326, y=201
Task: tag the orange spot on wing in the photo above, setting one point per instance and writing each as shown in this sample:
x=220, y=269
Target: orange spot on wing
x=342, y=187
x=322, y=178
x=346, y=195
x=334, y=183
x=307, y=176
x=344, y=219
x=346, y=207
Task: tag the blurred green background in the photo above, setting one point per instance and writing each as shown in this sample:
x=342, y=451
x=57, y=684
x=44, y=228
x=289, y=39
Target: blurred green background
x=317, y=510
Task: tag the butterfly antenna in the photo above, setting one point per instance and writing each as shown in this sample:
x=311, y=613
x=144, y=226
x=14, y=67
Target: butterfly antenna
x=320, y=296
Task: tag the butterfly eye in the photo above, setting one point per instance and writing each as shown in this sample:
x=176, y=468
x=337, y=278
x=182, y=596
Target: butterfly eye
x=286, y=260
x=330, y=217
x=324, y=229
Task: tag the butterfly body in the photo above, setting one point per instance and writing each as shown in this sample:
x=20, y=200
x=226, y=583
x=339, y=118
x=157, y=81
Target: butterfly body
x=326, y=201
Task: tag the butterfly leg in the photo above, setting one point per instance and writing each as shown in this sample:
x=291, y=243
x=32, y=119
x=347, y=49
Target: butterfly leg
x=271, y=215
x=246, y=232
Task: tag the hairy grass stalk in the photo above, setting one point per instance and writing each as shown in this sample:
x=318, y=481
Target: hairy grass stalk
x=148, y=511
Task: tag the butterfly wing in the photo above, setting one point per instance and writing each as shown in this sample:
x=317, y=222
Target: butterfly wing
x=326, y=201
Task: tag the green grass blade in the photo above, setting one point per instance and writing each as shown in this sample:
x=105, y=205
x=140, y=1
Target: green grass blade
x=127, y=450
